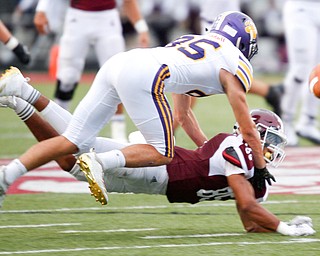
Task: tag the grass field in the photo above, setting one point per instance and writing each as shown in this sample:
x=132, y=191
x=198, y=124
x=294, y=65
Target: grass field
x=74, y=224
x=64, y=224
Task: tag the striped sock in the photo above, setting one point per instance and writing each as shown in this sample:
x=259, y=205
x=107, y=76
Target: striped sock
x=23, y=109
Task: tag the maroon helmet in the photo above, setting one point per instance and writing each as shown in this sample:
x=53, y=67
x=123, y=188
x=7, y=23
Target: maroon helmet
x=272, y=136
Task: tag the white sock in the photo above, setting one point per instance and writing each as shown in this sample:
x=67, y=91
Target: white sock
x=77, y=173
x=112, y=159
x=56, y=116
x=13, y=171
x=23, y=109
x=29, y=93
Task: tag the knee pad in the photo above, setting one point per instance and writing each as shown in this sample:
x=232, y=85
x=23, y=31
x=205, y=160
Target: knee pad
x=65, y=92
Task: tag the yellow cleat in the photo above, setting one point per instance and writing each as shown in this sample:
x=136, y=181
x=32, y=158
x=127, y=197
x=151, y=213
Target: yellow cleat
x=94, y=174
x=11, y=82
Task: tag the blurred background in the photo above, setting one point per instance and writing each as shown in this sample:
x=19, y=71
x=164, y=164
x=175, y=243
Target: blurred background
x=167, y=19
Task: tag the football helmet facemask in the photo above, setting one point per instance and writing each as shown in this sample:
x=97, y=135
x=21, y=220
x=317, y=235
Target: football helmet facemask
x=272, y=136
x=239, y=29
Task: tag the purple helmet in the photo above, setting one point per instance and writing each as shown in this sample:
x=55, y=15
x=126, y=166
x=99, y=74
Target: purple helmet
x=239, y=29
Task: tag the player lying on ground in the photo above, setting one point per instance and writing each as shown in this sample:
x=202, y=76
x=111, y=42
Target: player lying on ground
x=195, y=65
x=221, y=169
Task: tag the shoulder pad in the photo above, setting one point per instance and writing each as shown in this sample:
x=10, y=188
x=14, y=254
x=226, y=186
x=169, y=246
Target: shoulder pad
x=230, y=155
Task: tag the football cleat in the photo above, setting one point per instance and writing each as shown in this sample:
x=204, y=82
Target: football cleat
x=3, y=185
x=92, y=169
x=11, y=82
x=8, y=102
x=312, y=133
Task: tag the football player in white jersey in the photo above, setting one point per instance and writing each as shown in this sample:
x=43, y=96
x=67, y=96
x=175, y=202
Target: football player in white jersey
x=208, y=10
x=301, y=20
x=222, y=169
x=196, y=65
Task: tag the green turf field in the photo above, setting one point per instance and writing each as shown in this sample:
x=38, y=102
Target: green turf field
x=74, y=224
x=64, y=224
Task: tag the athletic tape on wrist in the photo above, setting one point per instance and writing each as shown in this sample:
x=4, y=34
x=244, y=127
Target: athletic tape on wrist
x=141, y=26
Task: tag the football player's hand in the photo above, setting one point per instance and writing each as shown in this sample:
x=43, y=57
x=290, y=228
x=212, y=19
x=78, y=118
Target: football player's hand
x=22, y=53
x=41, y=22
x=302, y=230
x=300, y=220
x=262, y=175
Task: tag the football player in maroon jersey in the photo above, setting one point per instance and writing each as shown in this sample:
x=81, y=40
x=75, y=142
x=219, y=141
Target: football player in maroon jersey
x=222, y=169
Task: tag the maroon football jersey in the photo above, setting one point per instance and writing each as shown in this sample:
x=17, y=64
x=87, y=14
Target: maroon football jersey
x=93, y=5
x=198, y=175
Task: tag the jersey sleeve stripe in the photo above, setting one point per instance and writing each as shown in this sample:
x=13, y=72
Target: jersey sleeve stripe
x=163, y=108
x=244, y=73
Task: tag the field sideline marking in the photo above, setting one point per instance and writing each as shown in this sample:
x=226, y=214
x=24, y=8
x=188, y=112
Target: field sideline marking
x=148, y=207
x=108, y=231
x=291, y=241
x=41, y=225
x=192, y=236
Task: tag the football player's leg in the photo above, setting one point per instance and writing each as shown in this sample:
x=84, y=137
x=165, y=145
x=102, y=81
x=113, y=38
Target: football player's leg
x=296, y=77
x=146, y=180
x=71, y=60
x=148, y=109
x=310, y=104
x=109, y=43
x=42, y=131
x=95, y=109
x=13, y=83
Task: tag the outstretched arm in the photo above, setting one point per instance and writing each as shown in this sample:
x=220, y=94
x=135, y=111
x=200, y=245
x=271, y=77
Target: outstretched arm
x=255, y=218
x=184, y=115
x=237, y=98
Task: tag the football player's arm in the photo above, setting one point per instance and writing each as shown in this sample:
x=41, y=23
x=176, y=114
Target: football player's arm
x=184, y=115
x=13, y=44
x=132, y=11
x=5, y=34
x=254, y=217
x=40, y=19
x=238, y=101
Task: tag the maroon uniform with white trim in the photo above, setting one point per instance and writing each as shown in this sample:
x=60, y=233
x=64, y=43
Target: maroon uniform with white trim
x=198, y=175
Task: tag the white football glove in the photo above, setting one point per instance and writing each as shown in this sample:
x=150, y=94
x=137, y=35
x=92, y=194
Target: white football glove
x=302, y=230
x=300, y=220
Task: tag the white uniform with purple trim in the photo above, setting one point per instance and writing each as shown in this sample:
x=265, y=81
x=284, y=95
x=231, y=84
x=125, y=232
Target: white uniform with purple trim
x=139, y=79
